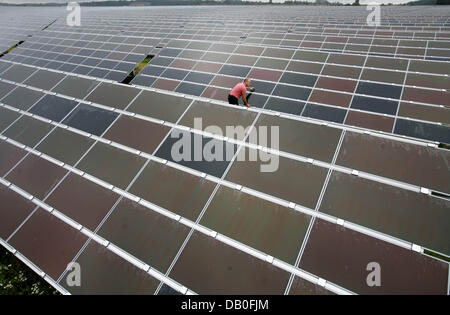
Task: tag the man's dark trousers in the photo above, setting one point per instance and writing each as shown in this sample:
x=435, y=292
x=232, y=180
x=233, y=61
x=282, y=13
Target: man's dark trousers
x=233, y=100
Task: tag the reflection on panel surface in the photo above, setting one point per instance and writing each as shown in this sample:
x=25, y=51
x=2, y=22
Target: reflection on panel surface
x=402, y=271
x=376, y=105
x=65, y=146
x=53, y=107
x=22, y=98
x=114, y=95
x=36, y=175
x=408, y=215
x=7, y=117
x=305, y=139
x=175, y=190
x=417, y=129
x=207, y=266
x=82, y=200
x=285, y=105
x=18, y=73
x=203, y=154
x=208, y=114
x=90, y=119
x=332, y=114
x=137, y=133
x=149, y=236
x=165, y=84
x=381, y=90
x=190, y=88
x=369, y=121
x=294, y=92
x=48, y=242
x=331, y=98
x=436, y=97
x=44, y=79
x=75, y=87
x=270, y=228
x=423, y=112
x=115, y=166
x=98, y=264
x=159, y=106
x=288, y=181
x=396, y=160
x=9, y=156
x=336, y=84
x=28, y=131
x=14, y=209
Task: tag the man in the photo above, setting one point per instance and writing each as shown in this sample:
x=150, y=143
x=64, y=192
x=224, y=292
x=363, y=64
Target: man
x=241, y=90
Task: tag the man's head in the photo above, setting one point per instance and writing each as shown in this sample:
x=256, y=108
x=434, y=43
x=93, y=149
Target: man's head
x=247, y=82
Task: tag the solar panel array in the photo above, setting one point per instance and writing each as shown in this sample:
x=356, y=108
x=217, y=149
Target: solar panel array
x=392, y=79
x=88, y=175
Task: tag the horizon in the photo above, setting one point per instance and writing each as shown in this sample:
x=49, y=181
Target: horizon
x=362, y=2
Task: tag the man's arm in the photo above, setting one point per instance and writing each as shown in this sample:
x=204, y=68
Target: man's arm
x=244, y=98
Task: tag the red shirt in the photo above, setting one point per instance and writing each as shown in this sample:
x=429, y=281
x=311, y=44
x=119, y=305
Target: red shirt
x=239, y=90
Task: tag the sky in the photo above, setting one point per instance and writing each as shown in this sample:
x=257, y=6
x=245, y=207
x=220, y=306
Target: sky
x=64, y=1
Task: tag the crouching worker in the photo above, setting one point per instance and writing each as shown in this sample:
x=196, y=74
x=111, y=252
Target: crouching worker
x=241, y=90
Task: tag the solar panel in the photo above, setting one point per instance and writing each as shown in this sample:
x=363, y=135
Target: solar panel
x=89, y=175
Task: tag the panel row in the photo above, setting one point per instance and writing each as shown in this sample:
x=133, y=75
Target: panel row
x=78, y=87
x=274, y=235
x=360, y=152
x=69, y=147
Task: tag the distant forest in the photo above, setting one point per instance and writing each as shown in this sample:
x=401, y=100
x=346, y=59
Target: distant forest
x=135, y=3
x=212, y=2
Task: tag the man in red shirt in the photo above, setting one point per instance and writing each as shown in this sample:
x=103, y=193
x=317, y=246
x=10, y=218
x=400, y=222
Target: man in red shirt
x=241, y=90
